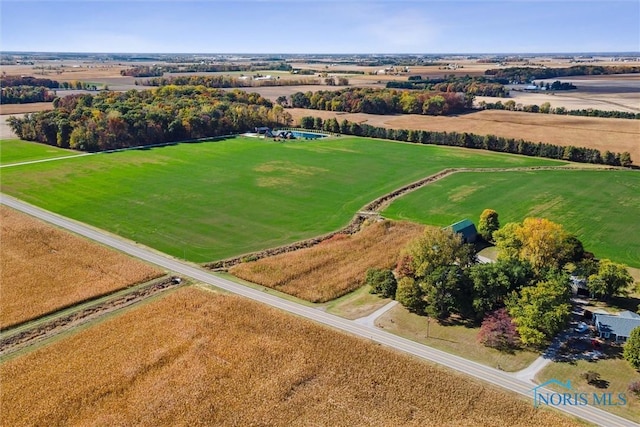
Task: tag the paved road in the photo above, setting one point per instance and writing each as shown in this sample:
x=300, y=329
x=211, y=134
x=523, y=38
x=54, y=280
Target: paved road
x=485, y=373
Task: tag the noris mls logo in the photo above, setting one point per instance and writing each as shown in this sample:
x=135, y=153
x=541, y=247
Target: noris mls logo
x=543, y=396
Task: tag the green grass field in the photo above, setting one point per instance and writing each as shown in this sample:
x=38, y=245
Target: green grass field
x=16, y=151
x=207, y=201
x=601, y=207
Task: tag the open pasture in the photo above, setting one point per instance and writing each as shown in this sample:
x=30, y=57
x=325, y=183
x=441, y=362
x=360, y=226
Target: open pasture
x=601, y=207
x=16, y=151
x=211, y=200
x=334, y=267
x=195, y=357
x=44, y=269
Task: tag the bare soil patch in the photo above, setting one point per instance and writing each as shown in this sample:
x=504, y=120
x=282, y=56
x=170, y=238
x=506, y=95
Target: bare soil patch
x=44, y=269
x=334, y=267
x=616, y=135
x=199, y=358
x=12, y=109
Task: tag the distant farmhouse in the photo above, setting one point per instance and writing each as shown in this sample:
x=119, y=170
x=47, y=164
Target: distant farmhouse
x=466, y=229
x=616, y=327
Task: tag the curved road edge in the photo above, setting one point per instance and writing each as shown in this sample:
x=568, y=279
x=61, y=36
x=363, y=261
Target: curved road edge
x=499, y=378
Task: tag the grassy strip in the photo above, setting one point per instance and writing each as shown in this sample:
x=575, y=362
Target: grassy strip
x=453, y=338
x=615, y=373
x=17, y=151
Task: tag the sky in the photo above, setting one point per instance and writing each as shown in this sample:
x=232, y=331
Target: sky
x=320, y=26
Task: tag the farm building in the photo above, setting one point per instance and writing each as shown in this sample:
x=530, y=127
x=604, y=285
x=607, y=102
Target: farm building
x=579, y=286
x=264, y=131
x=466, y=229
x=616, y=327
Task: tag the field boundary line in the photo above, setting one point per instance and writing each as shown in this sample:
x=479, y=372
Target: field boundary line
x=137, y=147
x=37, y=330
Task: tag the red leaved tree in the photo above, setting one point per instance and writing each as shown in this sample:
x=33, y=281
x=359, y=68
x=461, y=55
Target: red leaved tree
x=499, y=331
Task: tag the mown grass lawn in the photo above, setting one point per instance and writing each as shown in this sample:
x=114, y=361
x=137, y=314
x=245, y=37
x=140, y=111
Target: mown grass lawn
x=16, y=151
x=211, y=200
x=616, y=374
x=457, y=339
x=601, y=207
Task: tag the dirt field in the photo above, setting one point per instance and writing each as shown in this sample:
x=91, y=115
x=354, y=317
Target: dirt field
x=334, y=267
x=199, y=358
x=12, y=109
x=44, y=269
x=616, y=135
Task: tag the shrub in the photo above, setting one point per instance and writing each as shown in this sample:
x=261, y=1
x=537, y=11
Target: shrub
x=592, y=377
x=499, y=331
x=631, y=350
x=634, y=387
x=382, y=282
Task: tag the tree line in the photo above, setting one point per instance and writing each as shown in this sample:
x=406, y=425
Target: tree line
x=476, y=86
x=545, y=108
x=159, y=70
x=470, y=140
x=383, y=101
x=111, y=120
x=222, y=81
x=528, y=74
x=11, y=81
x=26, y=94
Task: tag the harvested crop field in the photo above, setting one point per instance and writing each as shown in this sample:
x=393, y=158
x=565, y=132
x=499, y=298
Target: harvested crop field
x=10, y=109
x=44, y=269
x=334, y=267
x=199, y=358
x=615, y=135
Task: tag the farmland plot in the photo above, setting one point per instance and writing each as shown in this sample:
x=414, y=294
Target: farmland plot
x=44, y=269
x=199, y=358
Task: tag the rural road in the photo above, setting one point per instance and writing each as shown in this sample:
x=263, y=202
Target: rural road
x=485, y=373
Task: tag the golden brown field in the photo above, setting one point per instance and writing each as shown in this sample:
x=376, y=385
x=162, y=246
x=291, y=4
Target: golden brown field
x=199, y=358
x=10, y=109
x=44, y=269
x=616, y=135
x=334, y=267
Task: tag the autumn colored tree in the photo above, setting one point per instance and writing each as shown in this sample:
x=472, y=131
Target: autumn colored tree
x=610, y=280
x=488, y=224
x=409, y=295
x=382, y=282
x=434, y=262
x=541, y=311
x=631, y=351
x=498, y=331
x=541, y=242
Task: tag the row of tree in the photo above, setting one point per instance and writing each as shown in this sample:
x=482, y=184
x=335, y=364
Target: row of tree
x=528, y=74
x=9, y=81
x=225, y=81
x=470, y=140
x=111, y=120
x=476, y=86
x=546, y=108
x=159, y=70
x=26, y=94
x=26, y=89
x=383, y=101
